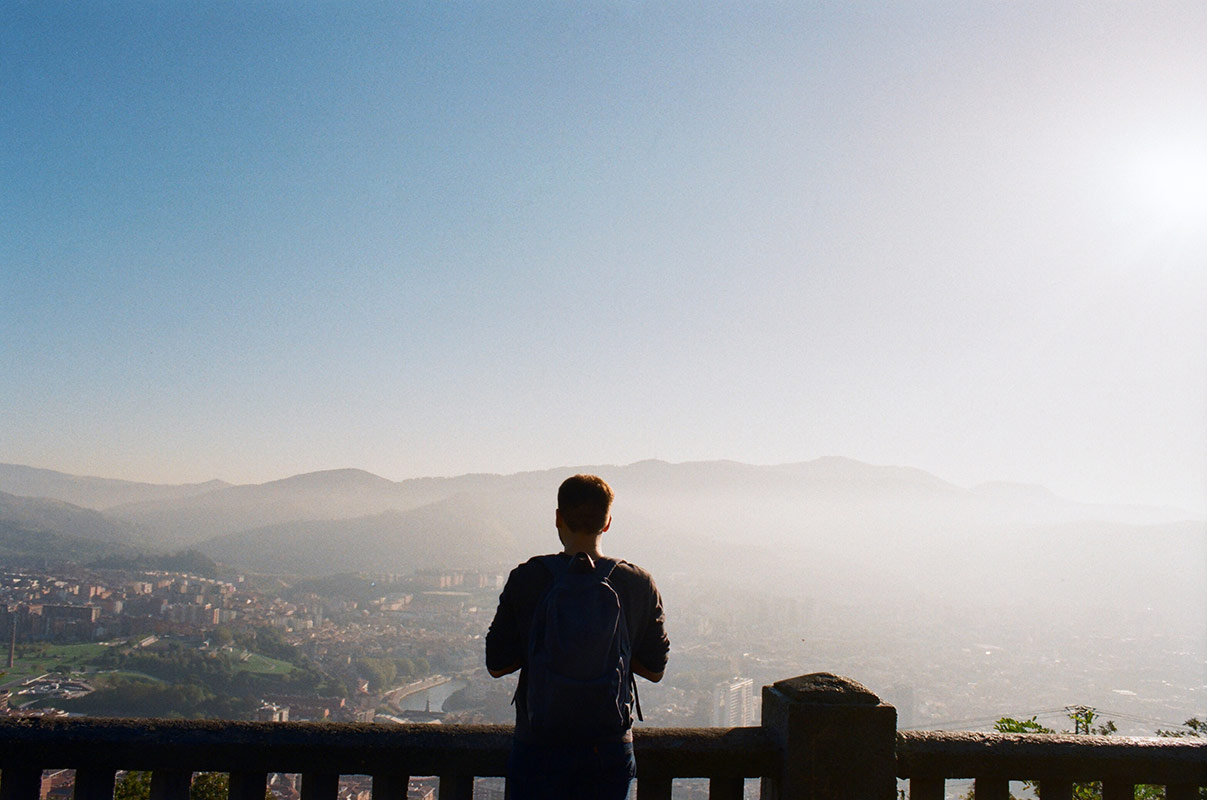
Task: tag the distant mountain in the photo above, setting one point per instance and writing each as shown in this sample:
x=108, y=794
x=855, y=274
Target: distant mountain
x=327, y=495
x=94, y=493
x=40, y=514
x=455, y=532
x=26, y=546
x=829, y=525
x=785, y=501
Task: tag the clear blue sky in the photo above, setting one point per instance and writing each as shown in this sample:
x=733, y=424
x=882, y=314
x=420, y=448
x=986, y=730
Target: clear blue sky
x=246, y=240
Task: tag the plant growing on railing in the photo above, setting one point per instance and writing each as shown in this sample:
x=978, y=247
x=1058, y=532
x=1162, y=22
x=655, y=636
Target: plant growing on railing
x=1081, y=791
x=1195, y=728
x=1084, y=719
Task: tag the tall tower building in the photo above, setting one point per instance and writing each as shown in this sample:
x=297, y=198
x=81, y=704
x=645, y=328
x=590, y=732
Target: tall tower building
x=733, y=703
x=11, y=629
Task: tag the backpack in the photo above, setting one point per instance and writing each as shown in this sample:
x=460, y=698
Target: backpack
x=579, y=678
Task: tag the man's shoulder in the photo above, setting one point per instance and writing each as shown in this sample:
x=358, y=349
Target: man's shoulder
x=536, y=571
x=535, y=564
x=632, y=571
x=629, y=577
x=531, y=572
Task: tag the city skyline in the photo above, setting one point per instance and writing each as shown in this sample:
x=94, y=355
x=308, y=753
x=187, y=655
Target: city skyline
x=247, y=242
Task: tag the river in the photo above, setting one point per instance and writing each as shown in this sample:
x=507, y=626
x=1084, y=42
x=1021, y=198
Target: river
x=436, y=694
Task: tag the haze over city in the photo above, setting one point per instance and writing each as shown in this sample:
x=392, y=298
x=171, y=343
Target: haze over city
x=248, y=241
x=954, y=603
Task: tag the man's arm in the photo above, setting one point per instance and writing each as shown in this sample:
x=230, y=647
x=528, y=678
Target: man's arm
x=638, y=669
x=499, y=673
x=503, y=655
x=649, y=657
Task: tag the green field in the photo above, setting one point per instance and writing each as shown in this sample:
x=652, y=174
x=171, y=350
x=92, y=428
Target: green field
x=39, y=659
x=34, y=660
x=262, y=665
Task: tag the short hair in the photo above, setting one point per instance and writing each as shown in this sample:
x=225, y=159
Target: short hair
x=584, y=502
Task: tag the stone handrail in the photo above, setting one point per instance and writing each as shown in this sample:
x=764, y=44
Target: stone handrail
x=1055, y=761
x=822, y=738
x=174, y=749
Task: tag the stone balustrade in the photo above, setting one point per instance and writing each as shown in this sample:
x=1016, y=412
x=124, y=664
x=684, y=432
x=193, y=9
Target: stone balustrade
x=822, y=737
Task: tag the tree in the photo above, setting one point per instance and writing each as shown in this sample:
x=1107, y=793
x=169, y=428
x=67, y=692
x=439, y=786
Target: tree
x=1011, y=725
x=1083, y=718
x=222, y=636
x=134, y=785
x=210, y=786
x=269, y=641
x=379, y=672
x=215, y=786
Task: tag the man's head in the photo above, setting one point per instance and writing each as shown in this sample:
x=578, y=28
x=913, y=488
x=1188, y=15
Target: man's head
x=584, y=503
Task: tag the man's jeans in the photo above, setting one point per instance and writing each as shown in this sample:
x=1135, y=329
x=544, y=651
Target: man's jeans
x=602, y=771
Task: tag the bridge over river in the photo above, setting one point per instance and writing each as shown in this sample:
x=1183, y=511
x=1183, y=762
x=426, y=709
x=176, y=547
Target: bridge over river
x=420, y=695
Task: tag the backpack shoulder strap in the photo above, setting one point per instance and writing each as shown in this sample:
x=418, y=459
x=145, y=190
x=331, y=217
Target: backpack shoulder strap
x=557, y=566
x=605, y=566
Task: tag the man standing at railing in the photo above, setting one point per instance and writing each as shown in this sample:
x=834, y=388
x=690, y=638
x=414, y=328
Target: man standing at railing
x=578, y=626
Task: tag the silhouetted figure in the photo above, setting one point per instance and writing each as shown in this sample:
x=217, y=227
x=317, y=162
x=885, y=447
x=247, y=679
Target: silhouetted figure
x=578, y=626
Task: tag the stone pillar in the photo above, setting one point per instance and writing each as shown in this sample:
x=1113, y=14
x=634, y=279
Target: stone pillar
x=837, y=738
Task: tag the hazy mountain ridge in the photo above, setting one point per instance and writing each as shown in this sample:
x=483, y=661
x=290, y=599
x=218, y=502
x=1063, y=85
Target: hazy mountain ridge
x=60, y=517
x=92, y=492
x=37, y=529
x=432, y=536
x=832, y=525
x=713, y=496
x=22, y=545
x=326, y=495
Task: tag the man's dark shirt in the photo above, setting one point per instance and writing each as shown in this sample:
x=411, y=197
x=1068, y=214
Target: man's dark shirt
x=507, y=640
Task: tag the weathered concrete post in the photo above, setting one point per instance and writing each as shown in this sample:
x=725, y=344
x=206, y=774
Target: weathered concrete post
x=838, y=740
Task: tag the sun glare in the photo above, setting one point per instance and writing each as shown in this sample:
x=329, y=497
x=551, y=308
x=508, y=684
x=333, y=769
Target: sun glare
x=1171, y=185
